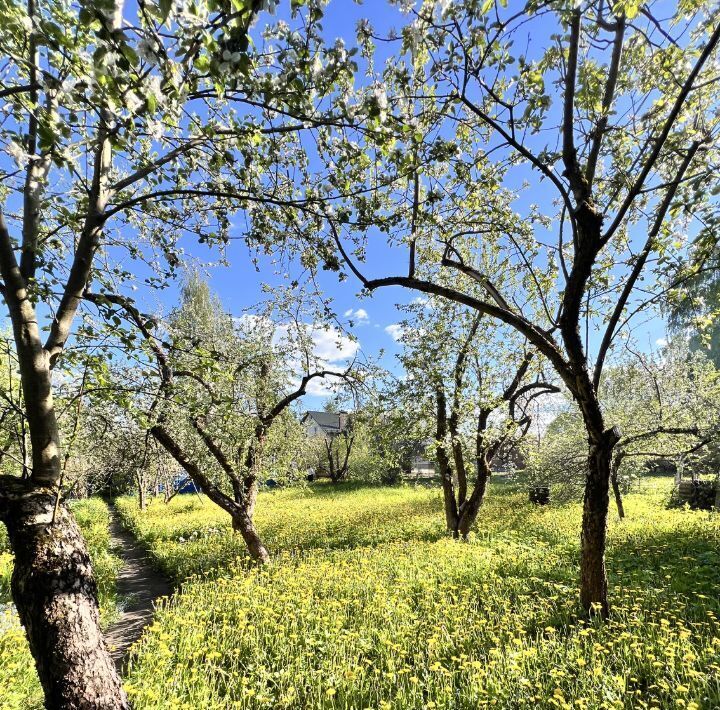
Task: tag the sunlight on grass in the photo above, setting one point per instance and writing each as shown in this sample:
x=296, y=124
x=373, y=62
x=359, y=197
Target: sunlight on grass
x=367, y=604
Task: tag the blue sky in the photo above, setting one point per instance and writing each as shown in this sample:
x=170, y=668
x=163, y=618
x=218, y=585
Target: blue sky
x=239, y=285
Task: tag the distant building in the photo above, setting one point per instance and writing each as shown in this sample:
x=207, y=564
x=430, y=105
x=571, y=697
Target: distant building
x=325, y=424
x=417, y=465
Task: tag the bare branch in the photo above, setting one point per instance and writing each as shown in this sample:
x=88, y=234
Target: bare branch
x=608, y=95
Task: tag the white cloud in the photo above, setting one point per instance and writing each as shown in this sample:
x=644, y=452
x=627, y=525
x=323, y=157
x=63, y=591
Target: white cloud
x=661, y=342
x=322, y=387
x=394, y=330
x=331, y=348
x=330, y=345
x=360, y=315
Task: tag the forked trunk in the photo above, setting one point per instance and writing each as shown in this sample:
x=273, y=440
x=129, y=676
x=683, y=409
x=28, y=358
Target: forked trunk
x=469, y=511
x=56, y=597
x=594, y=588
x=236, y=508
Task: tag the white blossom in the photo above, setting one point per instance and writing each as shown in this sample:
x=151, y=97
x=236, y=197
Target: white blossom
x=381, y=98
x=316, y=66
x=155, y=129
x=17, y=153
x=133, y=102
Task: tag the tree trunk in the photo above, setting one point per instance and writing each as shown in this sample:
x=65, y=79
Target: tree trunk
x=615, y=484
x=594, y=589
x=469, y=511
x=243, y=524
x=238, y=511
x=141, y=492
x=56, y=597
x=444, y=466
x=250, y=488
x=618, y=496
x=52, y=584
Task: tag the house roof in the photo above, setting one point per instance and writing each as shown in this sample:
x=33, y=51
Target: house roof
x=329, y=421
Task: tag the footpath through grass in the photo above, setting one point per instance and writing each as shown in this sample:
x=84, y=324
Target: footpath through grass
x=368, y=605
x=19, y=685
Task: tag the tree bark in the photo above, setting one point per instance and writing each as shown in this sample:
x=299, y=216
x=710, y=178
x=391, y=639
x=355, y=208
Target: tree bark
x=243, y=524
x=250, y=488
x=56, y=597
x=469, y=511
x=616, y=485
x=594, y=587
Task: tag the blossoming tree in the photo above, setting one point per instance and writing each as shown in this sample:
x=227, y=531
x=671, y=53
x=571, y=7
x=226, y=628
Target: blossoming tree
x=144, y=126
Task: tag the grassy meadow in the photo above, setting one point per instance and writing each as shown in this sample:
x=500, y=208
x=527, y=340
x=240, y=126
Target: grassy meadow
x=19, y=685
x=368, y=605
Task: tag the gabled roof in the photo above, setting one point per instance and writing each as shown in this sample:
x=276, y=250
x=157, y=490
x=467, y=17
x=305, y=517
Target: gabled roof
x=328, y=421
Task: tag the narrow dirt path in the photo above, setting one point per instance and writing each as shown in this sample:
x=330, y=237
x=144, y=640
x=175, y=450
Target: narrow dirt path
x=139, y=584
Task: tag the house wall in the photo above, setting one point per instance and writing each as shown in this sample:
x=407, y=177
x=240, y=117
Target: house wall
x=420, y=467
x=312, y=429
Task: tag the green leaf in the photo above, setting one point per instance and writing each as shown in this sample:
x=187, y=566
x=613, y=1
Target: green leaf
x=151, y=102
x=165, y=7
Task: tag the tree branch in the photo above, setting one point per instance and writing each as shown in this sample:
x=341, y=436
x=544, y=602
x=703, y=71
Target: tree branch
x=544, y=343
x=608, y=95
x=664, y=133
x=88, y=243
x=640, y=260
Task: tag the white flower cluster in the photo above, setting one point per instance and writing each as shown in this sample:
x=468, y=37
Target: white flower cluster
x=17, y=153
x=198, y=534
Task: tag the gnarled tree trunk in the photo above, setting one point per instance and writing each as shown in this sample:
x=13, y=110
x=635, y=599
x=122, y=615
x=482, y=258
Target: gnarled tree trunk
x=53, y=586
x=56, y=597
x=244, y=524
x=240, y=508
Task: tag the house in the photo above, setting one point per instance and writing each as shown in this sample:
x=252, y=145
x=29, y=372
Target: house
x=325, y=427
x=417, y=465
x=324, y=424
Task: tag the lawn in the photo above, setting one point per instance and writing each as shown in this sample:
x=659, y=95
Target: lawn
x=368, y=605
